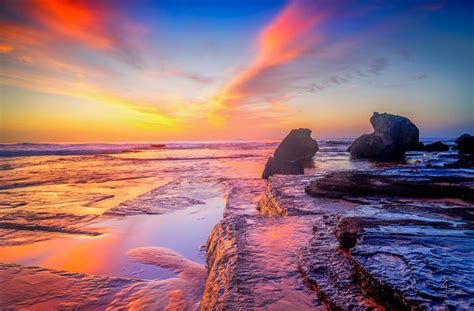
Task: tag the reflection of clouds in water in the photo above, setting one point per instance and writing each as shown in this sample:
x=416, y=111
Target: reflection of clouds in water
x=177, y=293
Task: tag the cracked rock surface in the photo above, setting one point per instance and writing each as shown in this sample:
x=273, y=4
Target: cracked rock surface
x=343, y=244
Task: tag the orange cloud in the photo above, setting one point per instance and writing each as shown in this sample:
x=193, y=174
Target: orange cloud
x=5, y=48
x=76, y=20
x=90, y=24
x=278, y=41
x=283, y=40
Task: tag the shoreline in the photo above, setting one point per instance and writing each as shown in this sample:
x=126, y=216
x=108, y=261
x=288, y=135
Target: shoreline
x=261, y=251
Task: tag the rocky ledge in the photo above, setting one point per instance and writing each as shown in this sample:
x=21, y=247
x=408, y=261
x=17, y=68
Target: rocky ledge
x=335, y=247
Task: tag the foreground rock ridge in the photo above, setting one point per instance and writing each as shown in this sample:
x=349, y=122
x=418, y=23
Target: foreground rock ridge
x=326, y=242
x=393, y=135
x=295, y=149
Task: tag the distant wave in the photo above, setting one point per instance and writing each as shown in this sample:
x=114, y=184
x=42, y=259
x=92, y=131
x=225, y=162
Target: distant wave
x=30, y=149
x=41, y=149
x=36, y=149
x=240, y=156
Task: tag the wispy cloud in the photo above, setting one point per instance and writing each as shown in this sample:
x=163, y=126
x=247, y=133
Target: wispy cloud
x=283, y=40
x=45, y=40
x=373, y=68
x=76, y=20
x=100, y=51
x=146, y=111
x=299, y=52
x=377, y=65
x=404, y=53
x=86, y=24
x=191, y=76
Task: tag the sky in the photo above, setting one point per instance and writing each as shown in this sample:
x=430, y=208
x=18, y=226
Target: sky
x=89, y=71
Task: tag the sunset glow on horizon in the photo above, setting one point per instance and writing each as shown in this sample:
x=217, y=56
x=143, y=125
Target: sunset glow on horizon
x=84, y=71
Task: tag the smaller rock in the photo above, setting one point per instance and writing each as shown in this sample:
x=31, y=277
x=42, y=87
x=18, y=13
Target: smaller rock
x=276, y=165
x=465, y=144
x=437, y=146
x=348, y=232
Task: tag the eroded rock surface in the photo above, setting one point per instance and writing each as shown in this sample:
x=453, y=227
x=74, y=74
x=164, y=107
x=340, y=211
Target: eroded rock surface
x=22, y=226
x=177, y=194
x=253, y=261
x=413, y=252
x=179, y=293
x=348, y=247
x=42, y=289
x=373, y=183
x=45, y=289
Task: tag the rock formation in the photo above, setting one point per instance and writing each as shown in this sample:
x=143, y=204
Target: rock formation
x=342, y=248
x=465, y=144
x=365, y=183
x=393, y=135
x=296, y=147
x=437, y=146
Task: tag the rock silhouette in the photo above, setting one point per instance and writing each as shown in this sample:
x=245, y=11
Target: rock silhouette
x=296, y=147
x=437, y=146
x=465, y=144
x=393, y=135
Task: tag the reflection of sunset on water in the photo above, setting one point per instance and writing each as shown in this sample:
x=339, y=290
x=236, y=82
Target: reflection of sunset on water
x=76, y=191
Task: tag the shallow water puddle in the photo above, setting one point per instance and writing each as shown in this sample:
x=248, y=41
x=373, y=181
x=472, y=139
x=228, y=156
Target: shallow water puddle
x=183, y=231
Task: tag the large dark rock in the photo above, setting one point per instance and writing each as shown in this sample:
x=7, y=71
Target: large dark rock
x=465, y=144
x=297, y=145
x=277, y=165
x=437, y=146
x=393, y=135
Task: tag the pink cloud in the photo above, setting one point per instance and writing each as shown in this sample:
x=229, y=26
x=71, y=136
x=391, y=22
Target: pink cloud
x=287, y=37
